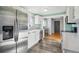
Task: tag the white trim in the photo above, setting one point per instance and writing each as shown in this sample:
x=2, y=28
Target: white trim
x=54, y=16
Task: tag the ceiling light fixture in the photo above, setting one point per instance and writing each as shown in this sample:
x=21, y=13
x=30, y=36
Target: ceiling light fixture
x=45, y=10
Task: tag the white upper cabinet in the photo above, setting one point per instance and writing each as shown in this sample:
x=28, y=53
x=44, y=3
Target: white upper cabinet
x=70, y=13
x=37, y=19
x=76, y=12
x=31, y=20
x=73, y=13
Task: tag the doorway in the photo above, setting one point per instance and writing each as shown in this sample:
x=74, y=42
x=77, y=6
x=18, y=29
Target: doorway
x=56, y=26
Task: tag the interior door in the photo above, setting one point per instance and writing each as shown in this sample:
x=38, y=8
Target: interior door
x=56, y=26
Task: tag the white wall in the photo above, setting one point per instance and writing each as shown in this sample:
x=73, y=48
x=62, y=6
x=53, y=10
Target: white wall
x=49, y=26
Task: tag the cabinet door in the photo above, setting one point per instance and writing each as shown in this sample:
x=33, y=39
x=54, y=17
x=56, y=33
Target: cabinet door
x=70, y=13
x=76, y=12
x=37, y=34
x=31, y=39
x=37, y=19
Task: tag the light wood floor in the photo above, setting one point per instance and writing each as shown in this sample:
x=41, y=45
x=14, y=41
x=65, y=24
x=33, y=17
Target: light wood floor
x=55, y=37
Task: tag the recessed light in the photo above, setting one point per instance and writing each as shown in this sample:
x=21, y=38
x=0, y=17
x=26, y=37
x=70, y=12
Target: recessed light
x=45, y=10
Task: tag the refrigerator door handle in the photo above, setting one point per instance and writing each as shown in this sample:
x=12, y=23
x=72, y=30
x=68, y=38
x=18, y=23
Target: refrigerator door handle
x=16, y=31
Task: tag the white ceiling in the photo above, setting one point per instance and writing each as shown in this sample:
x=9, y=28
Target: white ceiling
x=50, y=9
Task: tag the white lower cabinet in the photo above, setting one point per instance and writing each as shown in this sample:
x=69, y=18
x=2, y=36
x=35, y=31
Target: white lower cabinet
x=33, y=38
x=37, y=36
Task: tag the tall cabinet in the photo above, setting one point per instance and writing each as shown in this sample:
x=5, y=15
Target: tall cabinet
x=70, y=13
x=76, y=12
x=73, y=13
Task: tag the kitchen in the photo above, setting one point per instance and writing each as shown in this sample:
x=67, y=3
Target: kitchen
x=23, y=27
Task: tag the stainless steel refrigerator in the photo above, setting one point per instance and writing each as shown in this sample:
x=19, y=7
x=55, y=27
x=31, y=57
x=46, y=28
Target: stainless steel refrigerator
x=13, y=24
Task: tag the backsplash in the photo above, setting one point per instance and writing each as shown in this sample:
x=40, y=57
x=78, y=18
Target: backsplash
x=68, y=27
x=71, y=27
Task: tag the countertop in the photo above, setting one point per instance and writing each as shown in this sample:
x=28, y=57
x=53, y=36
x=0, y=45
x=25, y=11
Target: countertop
x=29, y=30
x=69, y=31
